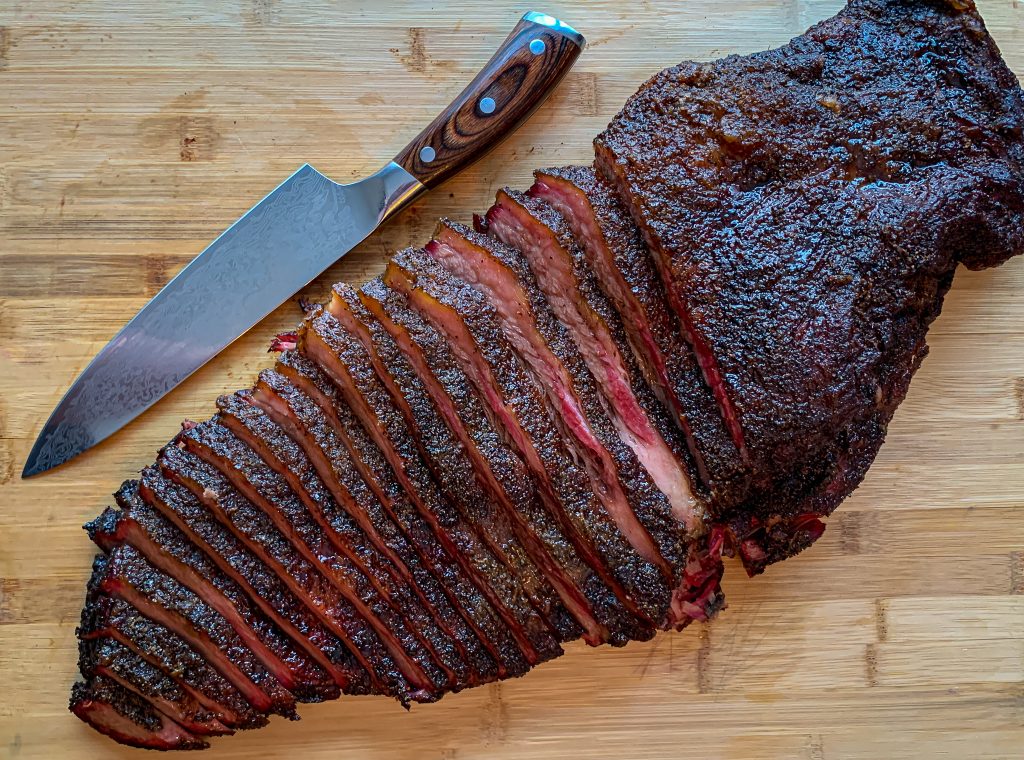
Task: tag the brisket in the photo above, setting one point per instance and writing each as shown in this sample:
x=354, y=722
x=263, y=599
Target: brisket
x=345, y=360
x=623, y=266
x=341, y=588
x=128, y=576
x=426, y=568
x=108, y=617
x=501, y=273
x=570, y=289
x=305, y=421
x=555, y=426
x=508, y=510
x=109, y=659
x=806, y=208
x=127, y=718
x=516, y=409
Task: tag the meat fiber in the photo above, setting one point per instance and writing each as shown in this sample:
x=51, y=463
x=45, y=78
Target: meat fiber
x=553, y=426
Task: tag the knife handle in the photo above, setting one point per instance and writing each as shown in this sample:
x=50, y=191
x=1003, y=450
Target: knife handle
x=517, y=79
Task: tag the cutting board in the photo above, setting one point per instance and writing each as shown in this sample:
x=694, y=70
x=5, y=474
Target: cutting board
x=132, y=132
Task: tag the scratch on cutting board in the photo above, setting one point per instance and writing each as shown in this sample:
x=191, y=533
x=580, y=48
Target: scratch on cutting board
x=881, y=615
x=1017, y=572
x=1018, y=394
x=871, y=664
x=5, y=46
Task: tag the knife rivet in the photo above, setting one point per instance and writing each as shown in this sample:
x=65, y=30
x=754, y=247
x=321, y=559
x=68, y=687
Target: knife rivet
x=537, y=47
x=487, y=105
x=427, y=154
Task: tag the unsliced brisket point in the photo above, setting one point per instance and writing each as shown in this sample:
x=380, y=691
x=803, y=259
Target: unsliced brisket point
x=503, y=276
x=304, y=420
x=262, y=487
x=431, y=573
x=268, y=592
x=508, y=511
x=344, y=359
x=128, y=718
x=539, y=232
x=807, y=207
x=622, y=264
x=515, y=407
x=105, y=616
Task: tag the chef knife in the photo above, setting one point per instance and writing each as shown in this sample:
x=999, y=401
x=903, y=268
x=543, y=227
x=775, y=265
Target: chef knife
x=287, y=239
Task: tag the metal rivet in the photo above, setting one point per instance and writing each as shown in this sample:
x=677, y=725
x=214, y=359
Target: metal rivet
x=487, y=105
x=427, y=154
x=537, y=47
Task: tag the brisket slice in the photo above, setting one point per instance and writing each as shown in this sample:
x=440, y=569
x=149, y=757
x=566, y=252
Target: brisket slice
x=261, y=536
x=104, y=616
x=503, y=276
x=128, y=576
x=540, y=233
x=625, y=271
x=345, y=360
x=109, y=659
x=304, y=420
x=264, y=488
x=167, y=549
x=515, y=408
x=124, y=716
x=181, y=508
x=533, y=549
x=806, y=208
x=425, y=567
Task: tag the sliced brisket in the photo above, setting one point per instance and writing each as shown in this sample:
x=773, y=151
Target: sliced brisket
x=404, y=535
x=508, y=511
x=570, y=290
x=515, y=407
x=127, y=718
x=184, y=510
x=500, y=272
x=623, y=266
x=345, y=360
x=110, y=659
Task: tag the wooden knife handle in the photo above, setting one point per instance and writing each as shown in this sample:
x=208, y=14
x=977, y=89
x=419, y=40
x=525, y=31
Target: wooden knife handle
x=517, y=79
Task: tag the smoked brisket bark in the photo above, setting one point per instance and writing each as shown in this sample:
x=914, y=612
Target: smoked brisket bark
x=503, y=276
x=625, y=271
x=432, y=572
x=280, y=403
x=509, y=510
x=168, y=550
x=346, y=362
x=105, y=616
x=128, y=576
x=570, y=289
x=109, y=659
x=268, y=592
x=515, y=408
x=807, y=207
x=127, y=718
x=261, y=536
x=265, y=489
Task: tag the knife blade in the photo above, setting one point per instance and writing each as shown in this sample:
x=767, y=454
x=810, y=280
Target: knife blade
x=283, y=242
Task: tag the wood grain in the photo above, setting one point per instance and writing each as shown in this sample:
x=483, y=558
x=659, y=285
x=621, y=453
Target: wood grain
x=133, y=132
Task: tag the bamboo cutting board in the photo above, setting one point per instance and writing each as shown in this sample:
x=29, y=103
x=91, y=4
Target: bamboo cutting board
x=132, y=132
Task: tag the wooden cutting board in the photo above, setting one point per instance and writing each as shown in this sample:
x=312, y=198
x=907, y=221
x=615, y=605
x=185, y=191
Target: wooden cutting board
x=133, y=132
